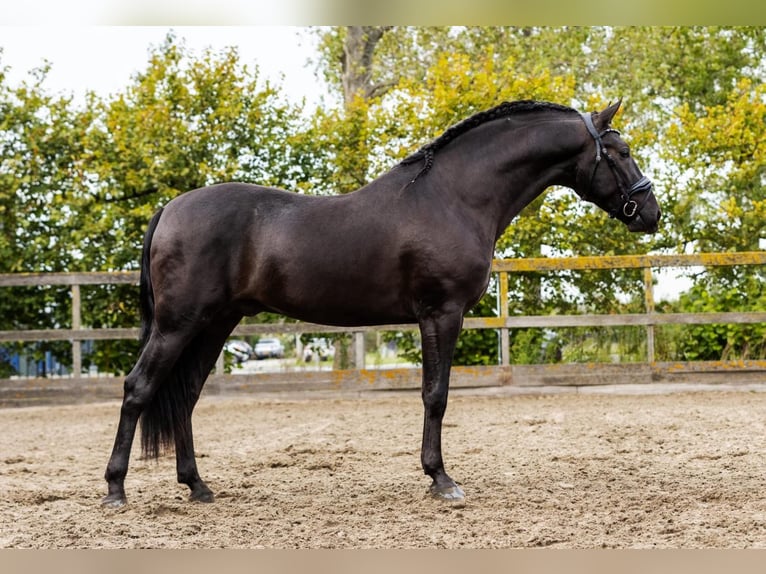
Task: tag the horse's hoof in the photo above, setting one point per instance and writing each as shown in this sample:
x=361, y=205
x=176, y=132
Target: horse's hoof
x=114, y=501
x=449, y=493
x=204, y=496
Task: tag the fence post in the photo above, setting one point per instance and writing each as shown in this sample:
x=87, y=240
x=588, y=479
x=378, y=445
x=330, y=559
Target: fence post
x=505, y=349
x=649, y=302
x=359, y=350
x=76, y=324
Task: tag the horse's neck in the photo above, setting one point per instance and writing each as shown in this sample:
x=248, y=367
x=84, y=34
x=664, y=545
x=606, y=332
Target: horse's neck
x=511, y=168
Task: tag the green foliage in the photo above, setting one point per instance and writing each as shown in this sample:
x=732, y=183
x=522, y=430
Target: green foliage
x=474, y=347
x=480, y=346
x=723, y=341
x=716, y=201
x=718, y=161
x=183, y=123
x=40, y=171
x=77, y=186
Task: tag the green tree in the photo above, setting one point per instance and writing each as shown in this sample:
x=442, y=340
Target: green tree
x=184, y=122
x=720, y=341
x=717, y=158
x=719, y=200
x=78, y=186
x=40, y=172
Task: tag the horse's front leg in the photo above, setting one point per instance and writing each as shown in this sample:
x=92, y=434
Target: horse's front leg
x=439, y=335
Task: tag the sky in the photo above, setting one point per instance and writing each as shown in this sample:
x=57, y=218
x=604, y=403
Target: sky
x=170, y=12
x=103, y=58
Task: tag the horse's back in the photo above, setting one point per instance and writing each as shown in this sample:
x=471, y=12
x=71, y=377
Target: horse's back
x=226, y=216
x=228, y=199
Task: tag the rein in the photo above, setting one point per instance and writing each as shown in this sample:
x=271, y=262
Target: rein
x=630, y=207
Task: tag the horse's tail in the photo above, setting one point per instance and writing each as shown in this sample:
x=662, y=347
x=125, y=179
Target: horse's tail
x=169, y=410
x=157, y=417
x=146, y=292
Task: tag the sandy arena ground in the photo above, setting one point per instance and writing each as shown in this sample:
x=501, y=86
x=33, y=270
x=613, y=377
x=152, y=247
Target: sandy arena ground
x=563, y=471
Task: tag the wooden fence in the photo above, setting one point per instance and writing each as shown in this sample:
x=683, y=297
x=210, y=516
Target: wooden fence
x=77, y=333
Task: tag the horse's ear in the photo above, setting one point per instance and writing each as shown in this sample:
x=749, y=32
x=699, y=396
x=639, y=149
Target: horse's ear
x=604, y=118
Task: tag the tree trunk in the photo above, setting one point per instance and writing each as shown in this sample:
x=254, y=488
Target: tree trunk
x=356, y=62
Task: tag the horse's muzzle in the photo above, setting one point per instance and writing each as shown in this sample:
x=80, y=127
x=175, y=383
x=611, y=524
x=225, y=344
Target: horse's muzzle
x=645, y=222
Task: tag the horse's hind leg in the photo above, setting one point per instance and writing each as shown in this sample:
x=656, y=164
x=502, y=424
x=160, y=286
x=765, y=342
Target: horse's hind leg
x=150, y=371
x=205, y=348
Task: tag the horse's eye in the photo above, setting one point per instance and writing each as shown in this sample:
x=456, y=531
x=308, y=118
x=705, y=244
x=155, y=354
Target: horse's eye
x=625, y=152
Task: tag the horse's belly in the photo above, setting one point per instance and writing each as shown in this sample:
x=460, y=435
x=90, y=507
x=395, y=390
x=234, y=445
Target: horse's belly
x=340, y=303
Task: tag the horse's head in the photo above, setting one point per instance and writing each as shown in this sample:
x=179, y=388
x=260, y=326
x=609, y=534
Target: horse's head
x=618, y=187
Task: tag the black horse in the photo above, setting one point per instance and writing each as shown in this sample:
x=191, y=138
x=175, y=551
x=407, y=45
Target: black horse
x=413, y=246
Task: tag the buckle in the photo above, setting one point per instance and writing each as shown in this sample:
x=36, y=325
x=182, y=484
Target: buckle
x=630, y=208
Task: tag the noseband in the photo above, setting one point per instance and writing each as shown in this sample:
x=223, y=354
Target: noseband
x=630, y=208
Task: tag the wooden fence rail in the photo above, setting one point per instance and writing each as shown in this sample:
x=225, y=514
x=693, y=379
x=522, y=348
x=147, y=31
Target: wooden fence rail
x=649, y=319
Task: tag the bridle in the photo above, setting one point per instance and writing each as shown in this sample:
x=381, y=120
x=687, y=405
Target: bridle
x=630, y=207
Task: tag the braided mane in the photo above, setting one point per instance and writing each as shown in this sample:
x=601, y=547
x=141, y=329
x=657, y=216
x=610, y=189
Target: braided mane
x=500, y=111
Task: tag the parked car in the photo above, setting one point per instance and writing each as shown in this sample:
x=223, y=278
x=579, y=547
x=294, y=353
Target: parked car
x=240, y=350
x=269, y=349
x=318, y=347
